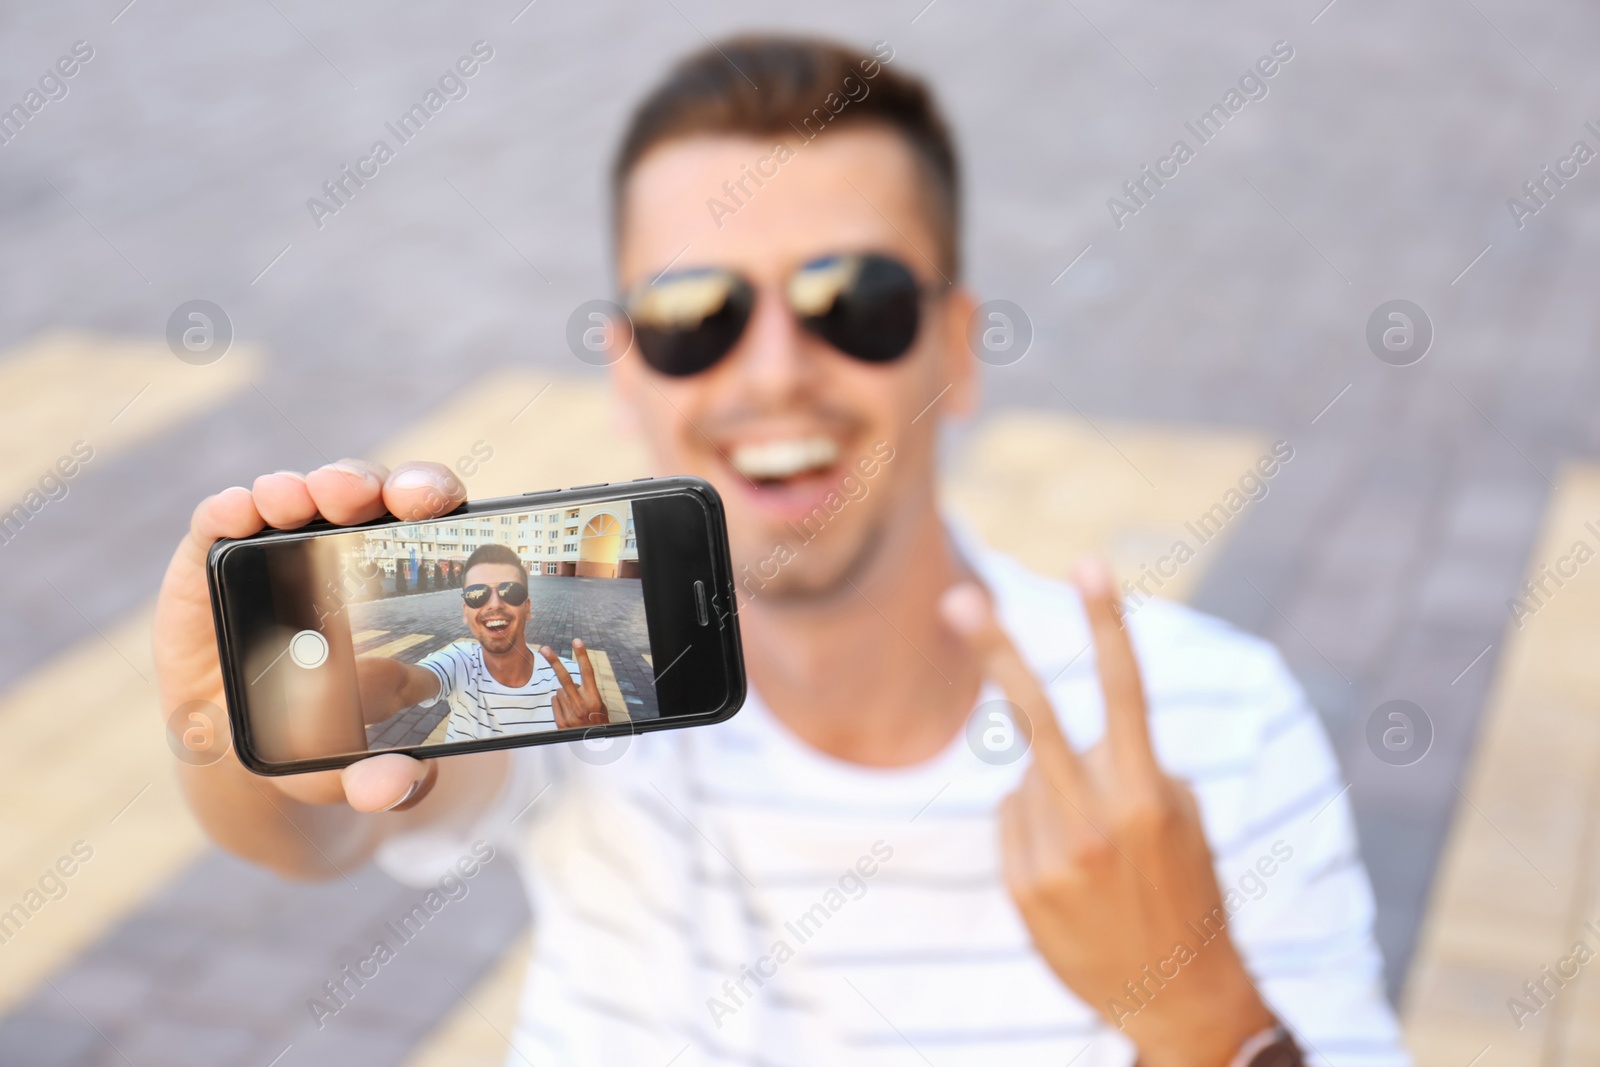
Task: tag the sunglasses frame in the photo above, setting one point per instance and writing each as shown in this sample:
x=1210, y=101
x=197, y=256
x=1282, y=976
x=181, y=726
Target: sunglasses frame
x=815, y=325
x=498, y=589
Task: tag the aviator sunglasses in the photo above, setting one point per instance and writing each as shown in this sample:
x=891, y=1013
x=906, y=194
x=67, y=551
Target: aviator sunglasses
x=865, y=305
x=512, y=594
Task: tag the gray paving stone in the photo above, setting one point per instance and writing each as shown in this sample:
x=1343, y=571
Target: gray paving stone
x=1387, y=149
x=29, y=1039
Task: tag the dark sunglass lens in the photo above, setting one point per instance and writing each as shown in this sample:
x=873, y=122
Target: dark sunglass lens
x=514, y=594
x=476, y=596
x=874, y=306
x=687, y=321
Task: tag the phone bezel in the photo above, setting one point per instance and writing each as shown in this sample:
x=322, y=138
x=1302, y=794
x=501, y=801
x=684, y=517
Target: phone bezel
x=723, y=605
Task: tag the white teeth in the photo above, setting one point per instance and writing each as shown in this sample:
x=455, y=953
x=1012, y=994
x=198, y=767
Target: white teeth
x=784, y=459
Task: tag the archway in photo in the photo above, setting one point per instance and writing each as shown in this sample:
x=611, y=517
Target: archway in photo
x=599, y=546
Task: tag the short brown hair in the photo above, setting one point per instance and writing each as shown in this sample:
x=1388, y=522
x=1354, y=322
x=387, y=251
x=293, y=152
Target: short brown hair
x=493, y=552
x=759, y=85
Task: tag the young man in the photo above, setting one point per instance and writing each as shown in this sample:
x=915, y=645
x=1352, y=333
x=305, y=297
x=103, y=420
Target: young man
x=492, y=682
x=870, y=863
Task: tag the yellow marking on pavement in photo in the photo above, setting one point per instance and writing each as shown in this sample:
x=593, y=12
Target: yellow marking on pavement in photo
x=605, y=677
x=440, y=728
x=1516, y=881
x=647, y=658
x=390, y=649
x=367, y=635
x=85, y=759
x=478, y=1032
x=107, y=392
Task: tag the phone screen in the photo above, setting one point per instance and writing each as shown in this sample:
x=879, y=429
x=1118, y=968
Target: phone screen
x=432, y=634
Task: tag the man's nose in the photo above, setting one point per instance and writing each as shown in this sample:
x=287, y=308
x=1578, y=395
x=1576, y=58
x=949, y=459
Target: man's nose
x=773, y=356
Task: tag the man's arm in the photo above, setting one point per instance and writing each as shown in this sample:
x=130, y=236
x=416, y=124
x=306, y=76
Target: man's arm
x=304, y=825
x=388, y=685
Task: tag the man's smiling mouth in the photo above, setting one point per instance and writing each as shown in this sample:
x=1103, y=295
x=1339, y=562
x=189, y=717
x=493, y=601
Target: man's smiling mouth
x=495, y=626
x=780, y=460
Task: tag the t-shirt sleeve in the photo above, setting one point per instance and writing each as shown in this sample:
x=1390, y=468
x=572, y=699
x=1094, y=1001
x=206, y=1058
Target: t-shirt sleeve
x=1293, y=880
x=445, y=663
x=421, y=857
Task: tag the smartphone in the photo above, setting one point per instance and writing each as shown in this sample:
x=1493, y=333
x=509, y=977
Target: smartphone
x=341, y=642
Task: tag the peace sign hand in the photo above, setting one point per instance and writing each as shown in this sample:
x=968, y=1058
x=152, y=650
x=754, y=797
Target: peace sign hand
x=1106, y=858
x=576, y=705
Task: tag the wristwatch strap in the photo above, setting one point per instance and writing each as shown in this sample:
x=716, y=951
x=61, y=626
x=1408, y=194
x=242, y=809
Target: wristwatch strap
x=1273, y=1047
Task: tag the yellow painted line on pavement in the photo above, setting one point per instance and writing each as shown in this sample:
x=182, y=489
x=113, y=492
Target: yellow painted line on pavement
x=1047, y=488
x=84, y=760
x=516, y=431
x=367, y=635
x=83, y=732
x=1517, y=879
x=64, y=387
x=83, y=735
x=390, y=649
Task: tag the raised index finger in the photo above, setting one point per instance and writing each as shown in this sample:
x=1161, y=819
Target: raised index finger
x=967, y=610
x=562, y=676
x=590, y=684
x=1127, y=726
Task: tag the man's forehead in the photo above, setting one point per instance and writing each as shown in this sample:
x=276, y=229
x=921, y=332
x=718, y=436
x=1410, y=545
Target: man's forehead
x=493, y=573
x=697, y=202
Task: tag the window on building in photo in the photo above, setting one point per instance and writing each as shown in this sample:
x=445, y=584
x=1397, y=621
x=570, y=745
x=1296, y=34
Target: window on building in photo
x=549, y=568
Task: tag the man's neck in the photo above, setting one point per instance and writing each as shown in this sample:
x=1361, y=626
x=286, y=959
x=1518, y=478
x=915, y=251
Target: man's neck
x=869, y=674
x=512, y=669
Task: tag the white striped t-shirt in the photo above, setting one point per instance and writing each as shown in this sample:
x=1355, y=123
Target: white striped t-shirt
x=480, y=706
x=730, y=896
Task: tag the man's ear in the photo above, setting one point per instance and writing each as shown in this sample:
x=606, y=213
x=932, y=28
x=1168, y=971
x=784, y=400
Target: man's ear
x=961, y=366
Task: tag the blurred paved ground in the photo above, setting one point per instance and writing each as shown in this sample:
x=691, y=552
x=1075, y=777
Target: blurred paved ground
x=1378, y=167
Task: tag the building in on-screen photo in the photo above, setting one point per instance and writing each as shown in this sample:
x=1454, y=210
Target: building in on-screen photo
x=582, y=541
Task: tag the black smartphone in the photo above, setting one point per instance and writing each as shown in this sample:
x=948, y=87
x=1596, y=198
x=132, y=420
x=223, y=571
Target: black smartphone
x=341, y=642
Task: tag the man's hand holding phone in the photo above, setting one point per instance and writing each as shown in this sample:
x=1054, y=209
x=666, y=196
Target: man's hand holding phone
x=185, y=644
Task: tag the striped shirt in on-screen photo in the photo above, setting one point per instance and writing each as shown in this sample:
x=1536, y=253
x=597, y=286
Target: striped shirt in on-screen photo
x=481, y=706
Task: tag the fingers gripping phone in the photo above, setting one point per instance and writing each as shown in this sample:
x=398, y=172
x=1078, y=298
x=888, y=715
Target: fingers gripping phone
x=581, y=613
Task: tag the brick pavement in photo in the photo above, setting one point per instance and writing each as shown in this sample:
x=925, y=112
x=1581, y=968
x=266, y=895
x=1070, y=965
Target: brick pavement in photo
x=1379, y=166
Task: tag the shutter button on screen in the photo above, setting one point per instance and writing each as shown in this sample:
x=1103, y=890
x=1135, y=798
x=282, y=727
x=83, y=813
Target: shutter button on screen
x=309, y=649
